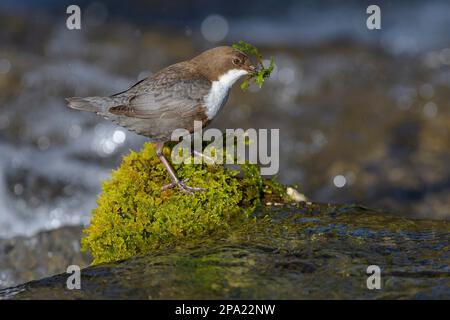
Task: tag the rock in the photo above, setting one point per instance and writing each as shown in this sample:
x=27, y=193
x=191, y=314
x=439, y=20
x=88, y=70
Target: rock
x=47, y=253
x=136, y=214
x=289, y=252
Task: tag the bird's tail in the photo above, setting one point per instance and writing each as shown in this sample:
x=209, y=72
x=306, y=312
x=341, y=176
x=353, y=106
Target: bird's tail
x=92, y=104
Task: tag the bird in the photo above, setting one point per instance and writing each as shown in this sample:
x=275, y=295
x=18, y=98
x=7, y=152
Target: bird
x=173, y=98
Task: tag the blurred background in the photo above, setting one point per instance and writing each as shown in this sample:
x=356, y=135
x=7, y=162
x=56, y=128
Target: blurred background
x=364, y=115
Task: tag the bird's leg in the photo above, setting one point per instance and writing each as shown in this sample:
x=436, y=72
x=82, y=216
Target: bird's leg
x=175, y=181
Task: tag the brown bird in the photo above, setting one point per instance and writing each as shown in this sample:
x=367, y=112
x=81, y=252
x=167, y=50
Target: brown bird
x=173, y=98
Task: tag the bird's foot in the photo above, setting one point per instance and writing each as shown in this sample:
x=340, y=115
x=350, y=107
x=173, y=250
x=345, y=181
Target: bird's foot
x=183, y=187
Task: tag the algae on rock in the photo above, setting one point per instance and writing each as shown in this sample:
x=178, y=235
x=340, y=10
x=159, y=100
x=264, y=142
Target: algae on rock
x=134, y=215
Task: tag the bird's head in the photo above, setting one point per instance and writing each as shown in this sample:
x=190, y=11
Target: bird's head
x=224, y=62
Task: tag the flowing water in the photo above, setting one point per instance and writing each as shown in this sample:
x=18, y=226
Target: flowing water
x=364, y=116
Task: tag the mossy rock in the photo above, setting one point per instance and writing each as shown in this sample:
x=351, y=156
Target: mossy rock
x=135, y=216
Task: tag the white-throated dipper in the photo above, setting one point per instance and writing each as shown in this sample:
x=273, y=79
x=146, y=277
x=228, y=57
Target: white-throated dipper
x=173, y=98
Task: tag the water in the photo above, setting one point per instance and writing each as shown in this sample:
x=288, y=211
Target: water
x=364, y=115
x=282, y=256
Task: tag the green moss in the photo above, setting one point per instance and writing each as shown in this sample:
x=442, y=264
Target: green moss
x=135, y=216
x=262, y=73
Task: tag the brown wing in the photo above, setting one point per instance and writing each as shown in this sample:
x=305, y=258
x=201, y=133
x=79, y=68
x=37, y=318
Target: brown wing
x=176, y=91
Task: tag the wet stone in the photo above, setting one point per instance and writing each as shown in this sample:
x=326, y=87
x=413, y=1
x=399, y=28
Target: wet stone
x=289, y=252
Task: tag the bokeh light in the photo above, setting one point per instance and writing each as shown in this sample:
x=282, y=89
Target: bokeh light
x=5, y=66
x=339, y=181
x=214, y=28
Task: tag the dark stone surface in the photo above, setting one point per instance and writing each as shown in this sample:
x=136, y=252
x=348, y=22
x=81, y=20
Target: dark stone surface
x=295, y=252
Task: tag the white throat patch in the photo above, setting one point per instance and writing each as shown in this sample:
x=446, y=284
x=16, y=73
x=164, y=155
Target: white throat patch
x=218, y=94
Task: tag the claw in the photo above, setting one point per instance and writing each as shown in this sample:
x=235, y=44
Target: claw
x=183, y=187
x=175, y=181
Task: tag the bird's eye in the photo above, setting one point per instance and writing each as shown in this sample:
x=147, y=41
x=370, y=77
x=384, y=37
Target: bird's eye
x=236, y=61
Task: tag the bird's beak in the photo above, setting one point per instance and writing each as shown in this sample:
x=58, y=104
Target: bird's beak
x=251, y=68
